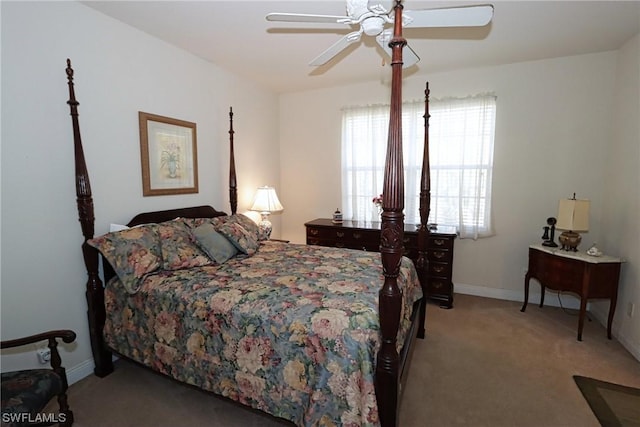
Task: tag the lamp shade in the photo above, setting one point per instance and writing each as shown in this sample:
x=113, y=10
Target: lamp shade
x=573, y=215
x=266, y=200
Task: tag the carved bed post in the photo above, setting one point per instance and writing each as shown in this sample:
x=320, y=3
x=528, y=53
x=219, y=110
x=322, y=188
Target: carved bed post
x=425, y=206
x=387, y=382
x=233, y=185
x=95, y=290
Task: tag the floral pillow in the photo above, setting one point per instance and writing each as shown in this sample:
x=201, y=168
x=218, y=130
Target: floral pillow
x=194, y=223
x=179, y=248
x=239, y=236
x=218, y=247
x=249, y=225
x=133, y=253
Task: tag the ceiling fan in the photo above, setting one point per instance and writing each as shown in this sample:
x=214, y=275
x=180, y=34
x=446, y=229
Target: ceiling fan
x=371, y=17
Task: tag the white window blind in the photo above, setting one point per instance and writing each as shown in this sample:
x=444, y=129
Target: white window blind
x=461, y=135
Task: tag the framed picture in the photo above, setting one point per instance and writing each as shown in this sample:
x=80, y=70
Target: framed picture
x=169, y=155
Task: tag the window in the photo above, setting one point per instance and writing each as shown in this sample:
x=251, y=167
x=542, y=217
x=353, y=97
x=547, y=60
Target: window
x=461, y=133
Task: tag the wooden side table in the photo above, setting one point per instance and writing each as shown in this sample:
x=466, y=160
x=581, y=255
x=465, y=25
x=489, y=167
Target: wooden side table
x=576, y=272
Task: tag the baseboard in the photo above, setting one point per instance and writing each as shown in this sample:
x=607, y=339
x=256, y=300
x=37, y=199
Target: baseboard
x=602, y=317
x=551, y=297
x=80, y=371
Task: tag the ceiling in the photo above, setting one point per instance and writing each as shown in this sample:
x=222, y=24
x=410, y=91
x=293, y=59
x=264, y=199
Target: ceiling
x=235, y=36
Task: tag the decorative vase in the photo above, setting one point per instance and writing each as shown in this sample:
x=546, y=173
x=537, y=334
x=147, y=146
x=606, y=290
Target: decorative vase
x=173, y=168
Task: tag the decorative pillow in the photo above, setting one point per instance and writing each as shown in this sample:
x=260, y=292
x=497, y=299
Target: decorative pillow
x=241, y=238
x=179, y=249
x=133, y=253
x=194, y=223
x=214, y=244
x=249, y=225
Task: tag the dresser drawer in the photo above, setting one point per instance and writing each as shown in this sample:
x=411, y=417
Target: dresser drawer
x=433, y=242
x=338, y=238
x=440, y=269
x=437, y=255
x=440, y=243
x=439, y=288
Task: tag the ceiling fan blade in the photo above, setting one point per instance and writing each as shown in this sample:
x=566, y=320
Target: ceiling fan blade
x=303, y=17
x=409, y=56
x=463, y=16
x=336, y=48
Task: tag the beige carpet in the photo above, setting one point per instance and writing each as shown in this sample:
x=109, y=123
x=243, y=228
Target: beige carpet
x=483, y=363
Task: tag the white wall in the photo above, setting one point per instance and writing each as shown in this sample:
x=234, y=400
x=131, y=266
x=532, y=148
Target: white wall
x=622, y=193
x=119, y=71
x=553, y=136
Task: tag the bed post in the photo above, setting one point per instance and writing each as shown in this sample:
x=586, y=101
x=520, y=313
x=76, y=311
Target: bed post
x=425, y=206
x=233, y=185
x=94, y=288
x=387, y=381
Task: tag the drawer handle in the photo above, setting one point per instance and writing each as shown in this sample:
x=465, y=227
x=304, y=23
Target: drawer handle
x=313, y=241
x=437, y=285
x=314, y=232
x=438, y=269
x=438, y=242
x=406, y=240
x=340, y=233
x=357, y=235
x=339, y=245
x=439, y=254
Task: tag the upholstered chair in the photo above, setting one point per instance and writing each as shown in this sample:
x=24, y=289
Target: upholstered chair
x=26, y=393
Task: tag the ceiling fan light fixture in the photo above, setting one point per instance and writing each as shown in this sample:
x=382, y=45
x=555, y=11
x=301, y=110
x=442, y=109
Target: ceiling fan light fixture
x=370, y=17
x=373, y=26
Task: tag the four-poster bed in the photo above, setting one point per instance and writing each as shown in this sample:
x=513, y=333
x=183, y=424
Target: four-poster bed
x=124, y=313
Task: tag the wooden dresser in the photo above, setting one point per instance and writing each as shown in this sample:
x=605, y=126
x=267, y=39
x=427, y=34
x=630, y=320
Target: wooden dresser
x=366, y=236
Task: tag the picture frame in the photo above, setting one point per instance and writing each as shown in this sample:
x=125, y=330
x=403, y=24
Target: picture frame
x=169, y=156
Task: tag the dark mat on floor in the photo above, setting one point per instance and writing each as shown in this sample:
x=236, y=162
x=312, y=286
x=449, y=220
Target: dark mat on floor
x=614, y=405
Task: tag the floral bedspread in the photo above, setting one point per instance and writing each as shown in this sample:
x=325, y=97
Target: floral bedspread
x=292, y=330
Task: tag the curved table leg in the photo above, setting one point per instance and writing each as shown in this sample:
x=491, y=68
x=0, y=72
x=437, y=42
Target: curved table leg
x=526, y=292
x=583, y=310
x=542, y=289
x=612, y=310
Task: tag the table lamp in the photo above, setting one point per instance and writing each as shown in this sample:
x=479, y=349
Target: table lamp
x=573, y=216
x=265, y=202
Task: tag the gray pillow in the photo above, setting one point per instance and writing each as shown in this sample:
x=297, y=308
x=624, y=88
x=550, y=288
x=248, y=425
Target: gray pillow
x=214, y=244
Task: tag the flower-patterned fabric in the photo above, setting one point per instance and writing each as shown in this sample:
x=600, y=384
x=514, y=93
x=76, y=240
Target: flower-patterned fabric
x=292, y=330
x=248, y=224
x=133, y=253
x=29, y=391
x=239, y=236
x=217, y=247
x=179, y=247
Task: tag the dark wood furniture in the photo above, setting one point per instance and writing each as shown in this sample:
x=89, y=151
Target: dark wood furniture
x=391, y=365
x=366, y=236
x=576, y=272
x=27, y=392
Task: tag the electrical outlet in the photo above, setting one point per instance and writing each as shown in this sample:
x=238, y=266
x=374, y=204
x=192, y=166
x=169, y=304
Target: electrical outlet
x=630, y=309
x=44, y=355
